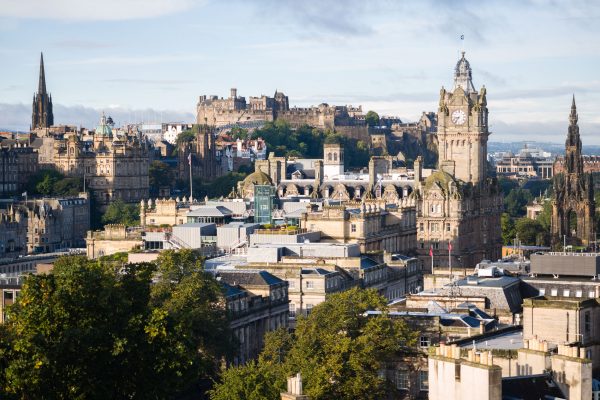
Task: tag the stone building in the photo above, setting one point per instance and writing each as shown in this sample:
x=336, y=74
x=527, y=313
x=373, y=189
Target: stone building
x=459, y=206
x=42, y=115
x=115, y=238
x=54, y=224
x=13, y=232
x=113, y=166
x=258, y=303
x=18, y=161
x=201, y=152
x=236, y=110
x=573, y=206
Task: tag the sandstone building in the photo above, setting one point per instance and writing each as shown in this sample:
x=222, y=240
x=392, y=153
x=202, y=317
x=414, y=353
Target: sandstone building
x=459, y=206
x=235, y=110
x=573, y=206
x=18, y=161
x=113, y=166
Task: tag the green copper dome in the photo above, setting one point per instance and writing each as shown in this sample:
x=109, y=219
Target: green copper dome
x=103, y=129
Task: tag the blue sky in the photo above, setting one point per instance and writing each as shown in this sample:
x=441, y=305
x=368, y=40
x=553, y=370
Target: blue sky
x=151, y=59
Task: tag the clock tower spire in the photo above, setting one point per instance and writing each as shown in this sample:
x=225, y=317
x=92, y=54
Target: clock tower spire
x=463, y=127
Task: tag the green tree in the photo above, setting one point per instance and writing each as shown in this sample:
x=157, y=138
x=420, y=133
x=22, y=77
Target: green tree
x=49, y=182
x=337, y=348
x=508, y=229
x=186, y=137
x=506, y=185
x=119, y=212
x=531, y=232
x=105, y=331
x=516, y=201
x=160, y=174
x=372, y=118
x=239, y=133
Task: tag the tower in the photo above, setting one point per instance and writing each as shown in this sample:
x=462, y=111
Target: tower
x=573, y=206
x=333, y=160
x=42, y=116
x=463, y=127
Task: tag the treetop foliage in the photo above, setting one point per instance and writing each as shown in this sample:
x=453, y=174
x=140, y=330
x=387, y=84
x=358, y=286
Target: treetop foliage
x=337, y=348
x=92, y=330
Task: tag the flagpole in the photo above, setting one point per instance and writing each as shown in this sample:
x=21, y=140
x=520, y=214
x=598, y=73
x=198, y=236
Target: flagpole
x=450, y=257
x=190, y=163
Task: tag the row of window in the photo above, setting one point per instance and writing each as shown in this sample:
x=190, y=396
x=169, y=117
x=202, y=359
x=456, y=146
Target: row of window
x=434, y=227
x=567, y=293
x=403, y=380
x=292, y=309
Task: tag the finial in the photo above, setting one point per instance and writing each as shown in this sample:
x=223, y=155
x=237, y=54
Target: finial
x=463, y=54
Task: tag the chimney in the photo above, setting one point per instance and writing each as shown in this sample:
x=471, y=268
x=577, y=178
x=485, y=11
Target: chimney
x=294, y=389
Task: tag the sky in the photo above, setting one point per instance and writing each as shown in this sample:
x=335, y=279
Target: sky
x=149, y=60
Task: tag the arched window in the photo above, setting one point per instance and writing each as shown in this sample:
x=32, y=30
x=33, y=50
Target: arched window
x=334, y=156
x=329, y=158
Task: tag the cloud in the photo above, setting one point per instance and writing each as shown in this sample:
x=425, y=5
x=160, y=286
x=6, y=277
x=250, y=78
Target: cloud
x=18, y=116
x=81, y=44
x=88, y=10
x=318, y=17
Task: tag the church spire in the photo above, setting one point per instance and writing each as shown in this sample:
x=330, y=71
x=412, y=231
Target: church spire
x=42, y=116
x=42, y=81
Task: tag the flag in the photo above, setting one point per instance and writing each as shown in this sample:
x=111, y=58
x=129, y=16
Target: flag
x=430, y=251
x=190, y=159
x=449, y=246
x=24, y=194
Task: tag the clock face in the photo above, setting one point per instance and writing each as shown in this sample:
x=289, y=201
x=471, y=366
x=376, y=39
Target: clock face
x=459, y=117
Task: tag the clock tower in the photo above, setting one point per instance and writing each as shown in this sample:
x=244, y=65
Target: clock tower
x=463, y=127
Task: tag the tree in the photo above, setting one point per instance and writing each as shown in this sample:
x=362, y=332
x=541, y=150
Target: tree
x=118, y=212
x=372, y=118
x=337, y=348
x=185, y=137
x=531, y=232
x=160, y=174
x=516, y=201
x=105, y=331
x=508, y=229
x=49, y=182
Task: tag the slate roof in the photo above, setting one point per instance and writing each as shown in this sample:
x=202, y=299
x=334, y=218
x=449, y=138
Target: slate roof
x=530, y=387
x=249, y=278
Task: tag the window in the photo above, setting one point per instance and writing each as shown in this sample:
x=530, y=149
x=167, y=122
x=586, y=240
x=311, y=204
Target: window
x=578, y=293
x=587, y=323
x=421, y=227
x=591, y=294
x=447, y=227
x=291, y=284
x=309, y=308
x=402, y=379
x=424, y=380
x=566, y=293
x=424, y=341
x=554, y=292
x=542, y=292
x=292, y=310
x=309, y=284
x=353, y=227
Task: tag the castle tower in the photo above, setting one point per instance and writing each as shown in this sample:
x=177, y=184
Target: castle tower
x=573, y=206
x=333, y=160
x=42, y=116
x=463, y=127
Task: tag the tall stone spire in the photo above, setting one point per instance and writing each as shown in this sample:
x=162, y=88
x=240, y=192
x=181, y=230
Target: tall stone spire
x=573, y=117
x=42, y=81
x=42, y=115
